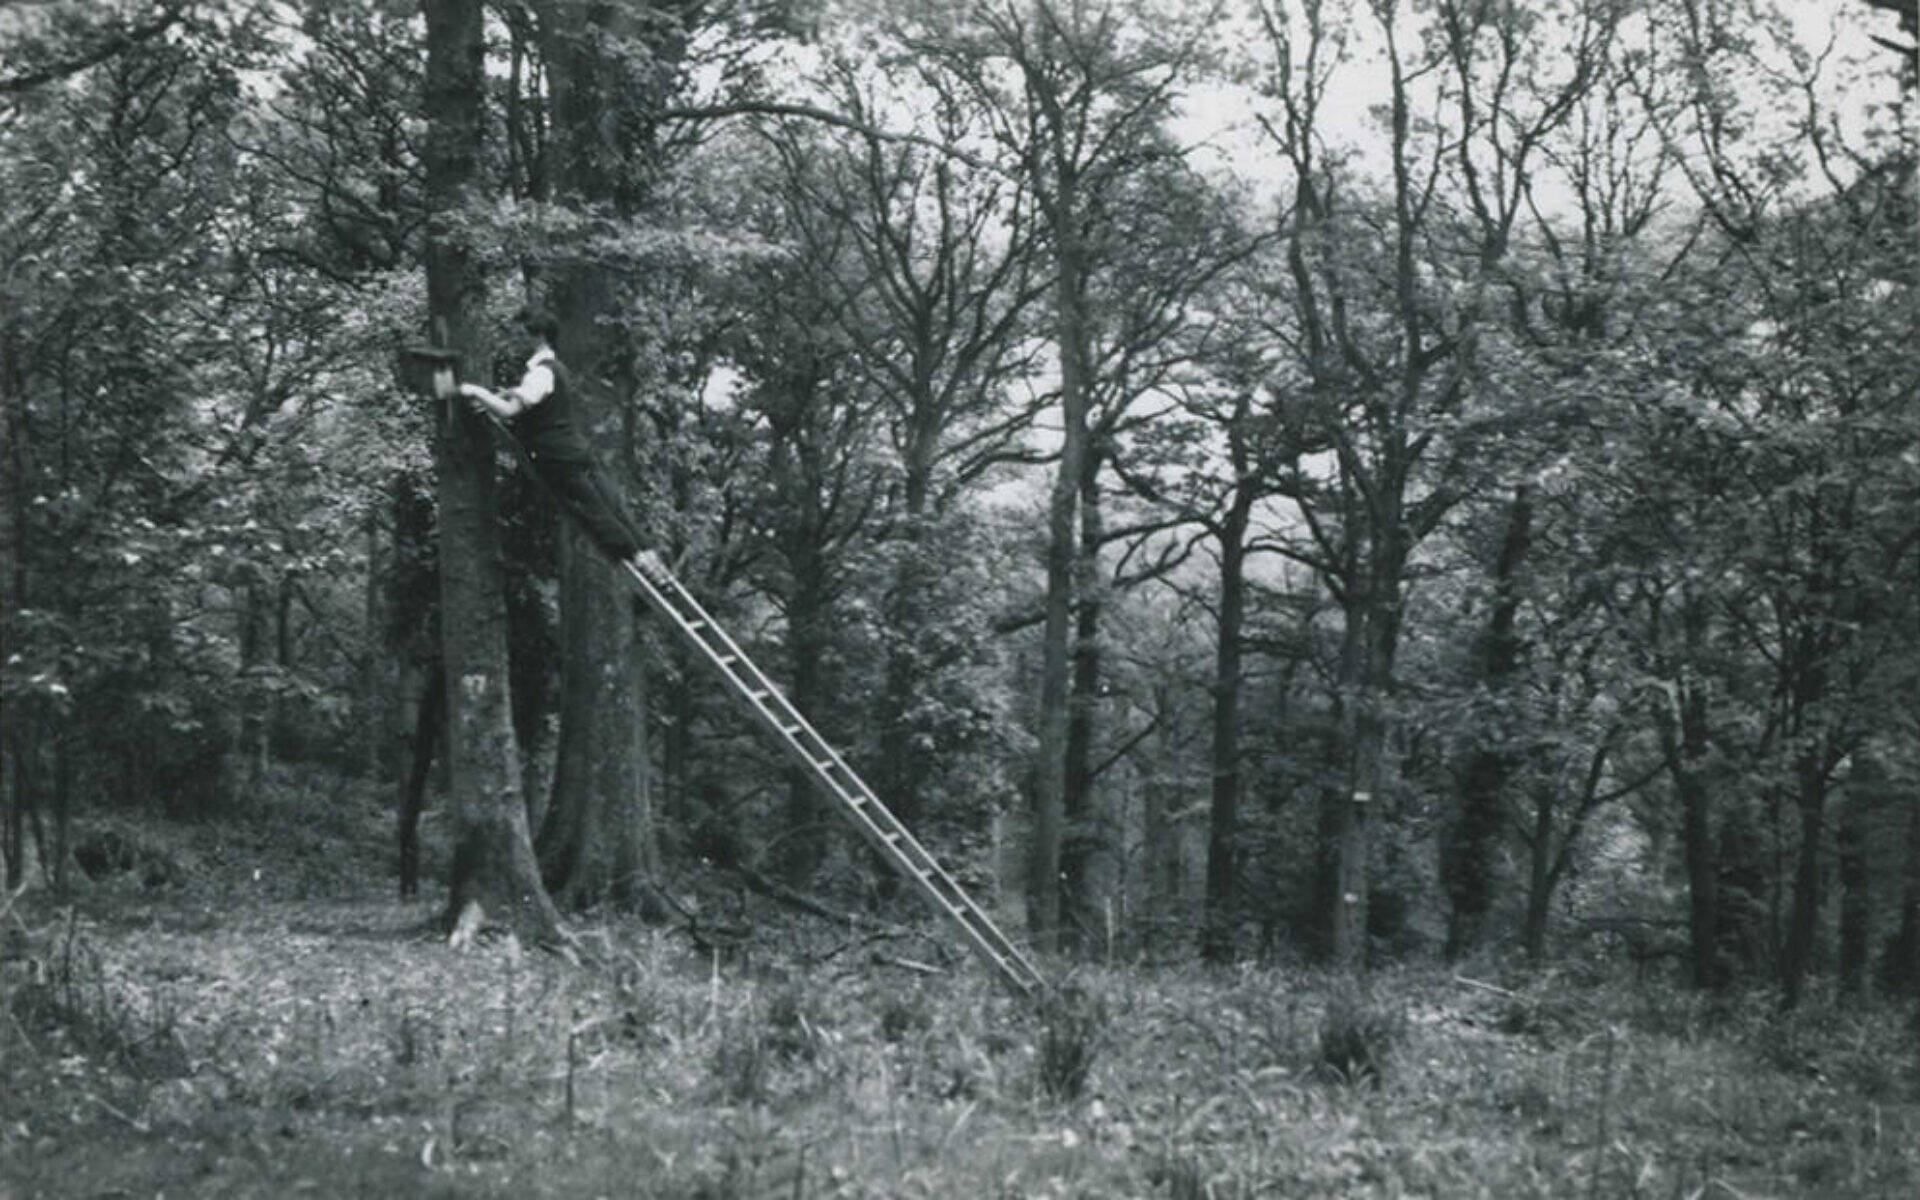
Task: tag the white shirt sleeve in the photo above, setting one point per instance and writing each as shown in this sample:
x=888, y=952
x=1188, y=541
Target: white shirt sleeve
x=537, y=384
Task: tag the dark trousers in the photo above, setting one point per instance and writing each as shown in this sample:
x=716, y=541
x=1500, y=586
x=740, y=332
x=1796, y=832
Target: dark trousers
x=591, y=500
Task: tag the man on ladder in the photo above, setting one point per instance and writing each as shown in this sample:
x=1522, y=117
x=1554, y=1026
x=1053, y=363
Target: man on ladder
x=541, y=410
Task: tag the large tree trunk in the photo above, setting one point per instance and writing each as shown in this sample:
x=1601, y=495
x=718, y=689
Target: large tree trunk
x=494, y=873
x=1223, y=813
x=1470, y=842
x=597, y=842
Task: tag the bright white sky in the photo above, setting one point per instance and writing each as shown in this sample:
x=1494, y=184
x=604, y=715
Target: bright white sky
x=1856, y=85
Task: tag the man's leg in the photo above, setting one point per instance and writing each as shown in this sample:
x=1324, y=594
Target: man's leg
x=587, y=497
x=617, y=535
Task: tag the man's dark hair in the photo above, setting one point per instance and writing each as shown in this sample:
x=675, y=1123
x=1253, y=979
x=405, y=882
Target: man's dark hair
x=539, y=322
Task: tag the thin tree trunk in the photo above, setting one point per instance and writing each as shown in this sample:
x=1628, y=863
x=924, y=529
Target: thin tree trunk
x=429, y=728
x=255, y=715
x=1378, y=616
x=1082, y=849
x=902, y=769
x=374, y=690
x=1049, y=817
x=1159, y=836
x=1223, y=812
x=1900, y=970
x=62, y=814
x=1540, y=878
x=1684, y=745
x=804, y=837
x=1804, y=915
x=1855, y=913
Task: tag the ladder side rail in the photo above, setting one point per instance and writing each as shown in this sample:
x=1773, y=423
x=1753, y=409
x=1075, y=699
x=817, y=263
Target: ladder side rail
x=883, y=827
x=778, y=703
x=770, y=706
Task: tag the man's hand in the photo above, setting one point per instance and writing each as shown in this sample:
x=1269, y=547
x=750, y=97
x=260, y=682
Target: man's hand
x=477, y=398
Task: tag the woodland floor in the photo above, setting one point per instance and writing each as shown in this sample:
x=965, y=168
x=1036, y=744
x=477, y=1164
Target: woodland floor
x=239, y=1011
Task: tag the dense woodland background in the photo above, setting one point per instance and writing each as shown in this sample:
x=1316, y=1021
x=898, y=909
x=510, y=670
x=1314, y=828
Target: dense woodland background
x=1290, y=480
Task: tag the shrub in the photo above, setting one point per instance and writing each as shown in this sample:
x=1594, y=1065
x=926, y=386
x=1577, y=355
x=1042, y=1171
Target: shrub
x=1357, y=1038
x=1073, y=1022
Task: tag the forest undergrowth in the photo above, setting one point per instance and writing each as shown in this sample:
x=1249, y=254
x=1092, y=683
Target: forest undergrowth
x=248, y=1020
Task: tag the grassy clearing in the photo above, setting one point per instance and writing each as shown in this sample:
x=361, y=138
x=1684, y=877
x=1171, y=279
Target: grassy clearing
x=285, y=1046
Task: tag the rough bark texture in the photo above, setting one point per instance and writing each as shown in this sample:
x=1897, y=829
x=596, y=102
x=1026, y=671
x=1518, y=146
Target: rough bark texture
x=1223, y=814
x=804, y=838
x=1470, y=843
x=1804, y=915
x=428, y=724
x=1900, y=969
x=1049, y=816
x=1683, y=739
x=597, y=840
x=493, y=863
x=1855, y=913
x=1085, y=859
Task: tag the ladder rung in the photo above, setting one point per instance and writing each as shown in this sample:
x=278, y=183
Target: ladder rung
x=858, y=801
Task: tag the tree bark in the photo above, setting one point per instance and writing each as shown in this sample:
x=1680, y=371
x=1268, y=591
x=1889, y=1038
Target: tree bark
x=1683, y=739
x=1900, y=970
x=1804, y=915
x=428, y=730
x=1223, y=810
x=597, y=842
x=1471, y=841
x=1540, y=875
x=256, y=716
x=1159, y=834
x=804, y=837
x=1855, y=913
x=493, y=863
x=1049, y=817
x=1084, y=865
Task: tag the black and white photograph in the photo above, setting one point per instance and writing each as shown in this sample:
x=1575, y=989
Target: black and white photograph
x=977, y=599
